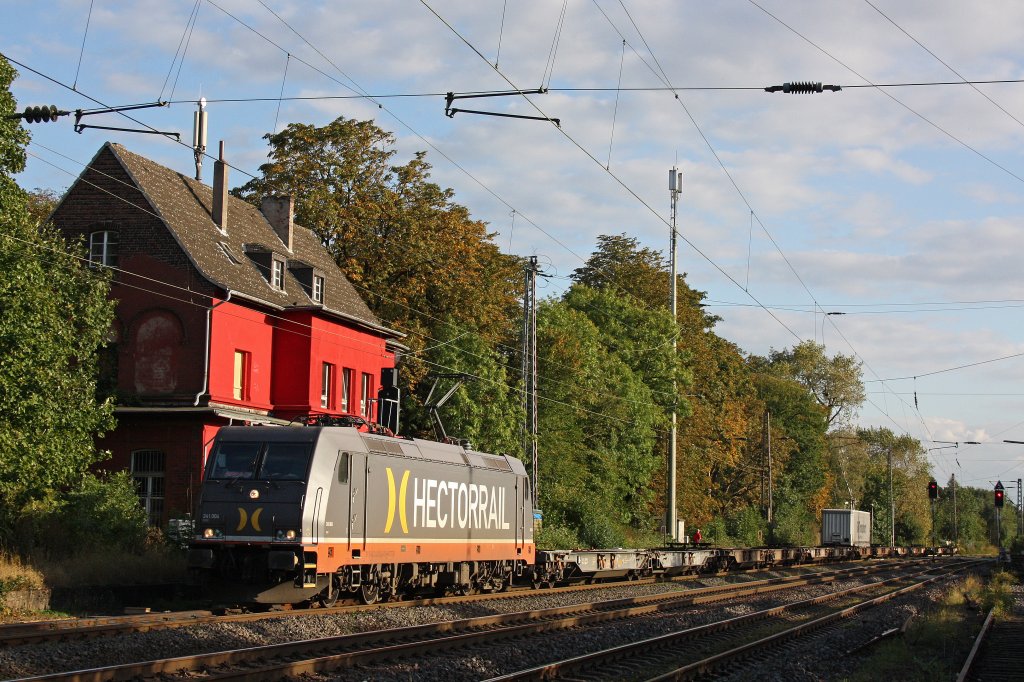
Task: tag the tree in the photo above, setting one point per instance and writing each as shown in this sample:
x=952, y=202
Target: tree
x=620, y=264
x=803, y=479
x=598, y=428
x=41, y=203
x=421, y=262
x=54, y=316
x=835, y=382
x=910, y=476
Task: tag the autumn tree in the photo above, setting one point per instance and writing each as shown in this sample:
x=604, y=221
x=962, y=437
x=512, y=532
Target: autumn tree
x=419, y=259
x=40, y=203
x=834, y=382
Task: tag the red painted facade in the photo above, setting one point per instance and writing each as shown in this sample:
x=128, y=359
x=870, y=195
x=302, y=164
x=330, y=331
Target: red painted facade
x=189, y=354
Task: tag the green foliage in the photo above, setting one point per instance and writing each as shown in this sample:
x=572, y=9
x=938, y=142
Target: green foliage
x=54, y=316
x=13, y=137
x=835, y=383
x=747, y=526
x=106, y=511
x=99, y=511
x=557, y=536
x=484, y=410
x=910, y=476
x=714, y=532
x=597, y=428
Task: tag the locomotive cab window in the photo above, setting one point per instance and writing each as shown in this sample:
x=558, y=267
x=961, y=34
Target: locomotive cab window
x=233, y=461
x=285, y=462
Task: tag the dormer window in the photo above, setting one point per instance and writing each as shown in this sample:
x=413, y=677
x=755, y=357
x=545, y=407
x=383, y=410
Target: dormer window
x=103, y=248
x=309, y=278
x=318, y=289
x=277, y=274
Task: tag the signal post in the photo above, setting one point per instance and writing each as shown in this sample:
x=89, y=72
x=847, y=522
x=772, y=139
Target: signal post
x=933, y=494
x=999, y=494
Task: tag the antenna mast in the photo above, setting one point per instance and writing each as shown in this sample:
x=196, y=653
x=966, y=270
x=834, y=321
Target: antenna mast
x=675, y=188
x=199, y=136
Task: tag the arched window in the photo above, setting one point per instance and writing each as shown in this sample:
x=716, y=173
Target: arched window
x=148, y=472
x=157, y=340
x=103, y=248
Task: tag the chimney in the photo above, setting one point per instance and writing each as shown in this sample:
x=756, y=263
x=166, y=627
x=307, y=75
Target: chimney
x=278, y=212
x=220, y=191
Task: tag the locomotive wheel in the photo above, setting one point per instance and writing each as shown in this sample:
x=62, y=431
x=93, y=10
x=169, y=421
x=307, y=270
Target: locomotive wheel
x=368, y=593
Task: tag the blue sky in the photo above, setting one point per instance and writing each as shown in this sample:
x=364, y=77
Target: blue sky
x=900, y=206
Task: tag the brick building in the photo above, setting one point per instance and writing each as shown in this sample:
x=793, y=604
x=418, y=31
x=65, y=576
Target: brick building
x=225, y=314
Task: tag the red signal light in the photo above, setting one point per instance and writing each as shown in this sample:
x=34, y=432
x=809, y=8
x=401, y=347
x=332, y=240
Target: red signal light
x=999, y=498
x=933, y=490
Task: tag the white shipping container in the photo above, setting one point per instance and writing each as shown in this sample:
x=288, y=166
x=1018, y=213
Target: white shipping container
x=846, y=527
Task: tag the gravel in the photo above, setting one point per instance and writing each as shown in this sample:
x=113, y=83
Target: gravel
x=475, y=664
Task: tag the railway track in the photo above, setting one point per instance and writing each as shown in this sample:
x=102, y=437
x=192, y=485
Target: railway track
x=16, y=634
x=755, y=637
x=998, y=650
x=383, y=646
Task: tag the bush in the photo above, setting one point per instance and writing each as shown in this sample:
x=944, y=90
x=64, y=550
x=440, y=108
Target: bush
x=599, y=531
x=100, y=567
x=554, y=536
x=107, y=512
x=714, y=533
x=99, y=512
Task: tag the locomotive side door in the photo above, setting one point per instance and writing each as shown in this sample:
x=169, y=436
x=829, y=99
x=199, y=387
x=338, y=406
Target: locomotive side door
x=520, y=512
x=358, y=483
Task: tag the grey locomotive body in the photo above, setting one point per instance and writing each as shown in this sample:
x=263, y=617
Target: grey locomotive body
x=289, y=514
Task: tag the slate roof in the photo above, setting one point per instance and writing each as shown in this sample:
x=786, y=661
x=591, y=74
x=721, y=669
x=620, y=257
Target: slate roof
x=185, y=206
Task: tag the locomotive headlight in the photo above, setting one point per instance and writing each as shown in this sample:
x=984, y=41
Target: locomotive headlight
x=212, y=533
x=283, y=534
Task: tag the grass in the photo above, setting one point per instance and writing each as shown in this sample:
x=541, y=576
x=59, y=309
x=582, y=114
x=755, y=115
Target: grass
x=16, y=575
x=86, y=571
x=937, y=642
x=99, y=568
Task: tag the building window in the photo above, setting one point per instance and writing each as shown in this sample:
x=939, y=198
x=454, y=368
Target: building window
x=346, y=389
x=318, y=289
x=148, y=473
x=103, y=248
x=243, y=367
x=365, y=407
x=277, y=275
x=326, y=385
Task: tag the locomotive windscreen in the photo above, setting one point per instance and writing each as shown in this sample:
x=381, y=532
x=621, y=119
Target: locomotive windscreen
x=263, y=461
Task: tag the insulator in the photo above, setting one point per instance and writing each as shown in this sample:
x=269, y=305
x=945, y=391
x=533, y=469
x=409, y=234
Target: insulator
x=41, y=114
x=801, y=88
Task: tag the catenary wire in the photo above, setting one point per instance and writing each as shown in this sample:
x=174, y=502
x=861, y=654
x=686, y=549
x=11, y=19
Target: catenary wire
x=941, y=61
x=660, y=73
x=615, y=177
x=81, y=53
x=890, y=96
x=187, y=32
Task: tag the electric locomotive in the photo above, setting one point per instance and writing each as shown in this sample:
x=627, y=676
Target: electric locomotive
x=291, y=514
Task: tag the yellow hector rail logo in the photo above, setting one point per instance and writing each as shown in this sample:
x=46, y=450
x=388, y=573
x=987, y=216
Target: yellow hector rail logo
x=397, y=501
x=243, y=518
